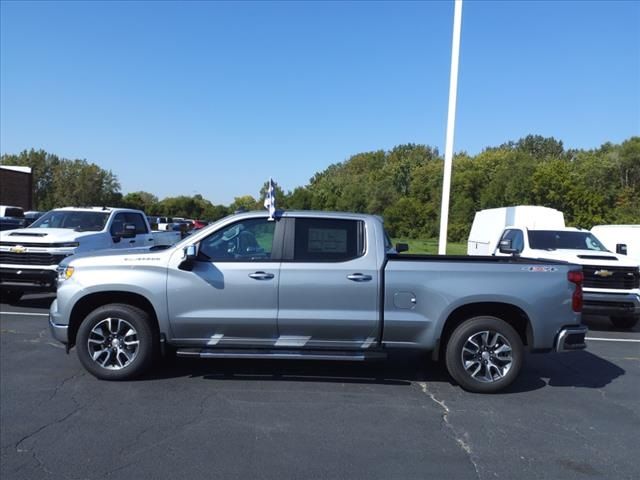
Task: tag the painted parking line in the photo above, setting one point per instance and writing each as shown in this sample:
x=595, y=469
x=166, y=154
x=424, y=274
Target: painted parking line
x=613, y=339
x=24, y=313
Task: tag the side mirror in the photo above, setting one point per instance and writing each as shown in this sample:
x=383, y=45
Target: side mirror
x=128, y=231
x=402, y=247
x=621, y=248
x=190, y=255
x=505, y=247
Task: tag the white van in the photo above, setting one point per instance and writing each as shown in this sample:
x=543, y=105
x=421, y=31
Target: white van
x=488, y=225
x=622, y=239
x=611, y=281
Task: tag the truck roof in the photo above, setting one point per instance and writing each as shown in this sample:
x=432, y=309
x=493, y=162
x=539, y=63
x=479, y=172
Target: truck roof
x=310, y=213
x=95, y=209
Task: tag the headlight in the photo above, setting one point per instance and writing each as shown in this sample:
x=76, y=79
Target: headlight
x=67, y=244
x=64, y=273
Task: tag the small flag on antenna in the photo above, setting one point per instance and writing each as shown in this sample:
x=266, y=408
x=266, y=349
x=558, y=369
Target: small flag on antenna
x=270, y=200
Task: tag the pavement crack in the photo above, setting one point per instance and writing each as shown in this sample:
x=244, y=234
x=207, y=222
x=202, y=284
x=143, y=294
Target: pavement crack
x=460, y=439
x=61, y=384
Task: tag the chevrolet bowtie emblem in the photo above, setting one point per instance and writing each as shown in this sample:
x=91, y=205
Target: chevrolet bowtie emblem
x=18, y=249
x=603, y=273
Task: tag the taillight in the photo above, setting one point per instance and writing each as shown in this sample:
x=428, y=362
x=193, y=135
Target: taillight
x=577, y=277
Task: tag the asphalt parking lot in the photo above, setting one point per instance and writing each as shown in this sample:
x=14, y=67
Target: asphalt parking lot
x=569, y=416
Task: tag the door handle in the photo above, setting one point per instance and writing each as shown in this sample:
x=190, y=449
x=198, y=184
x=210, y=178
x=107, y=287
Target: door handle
x=261, y=275
x=359, y=277
x=132, y=241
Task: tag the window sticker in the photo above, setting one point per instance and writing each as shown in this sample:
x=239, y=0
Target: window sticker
x=327, y=240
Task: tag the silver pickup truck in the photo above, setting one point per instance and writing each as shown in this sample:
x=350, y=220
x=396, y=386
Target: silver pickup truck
x=313, y=285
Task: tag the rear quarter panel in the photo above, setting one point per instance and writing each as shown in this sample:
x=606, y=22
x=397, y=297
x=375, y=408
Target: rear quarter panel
x=440, y=287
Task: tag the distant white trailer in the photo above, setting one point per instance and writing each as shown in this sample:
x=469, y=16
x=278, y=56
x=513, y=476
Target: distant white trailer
x=489, y=224
x=624, y=239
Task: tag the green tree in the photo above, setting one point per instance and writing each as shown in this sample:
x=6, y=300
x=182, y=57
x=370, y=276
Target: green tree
x=141, y=200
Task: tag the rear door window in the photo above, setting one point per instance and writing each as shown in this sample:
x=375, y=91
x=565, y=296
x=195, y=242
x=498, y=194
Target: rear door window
x=328, y=240
x=138, y=220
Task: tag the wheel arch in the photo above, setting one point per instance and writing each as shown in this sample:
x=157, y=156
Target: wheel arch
x=90, y=302
x=511, y=314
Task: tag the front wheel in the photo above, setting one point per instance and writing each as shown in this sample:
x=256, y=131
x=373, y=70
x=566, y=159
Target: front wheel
x=484, y=354
x=116, y=342
x=625, y=323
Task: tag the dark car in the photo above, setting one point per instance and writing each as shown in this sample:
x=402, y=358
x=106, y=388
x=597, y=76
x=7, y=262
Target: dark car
x=11, y=223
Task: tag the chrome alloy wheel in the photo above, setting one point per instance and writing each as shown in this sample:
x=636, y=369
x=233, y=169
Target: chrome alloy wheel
x=113, y=343
x=486, y=356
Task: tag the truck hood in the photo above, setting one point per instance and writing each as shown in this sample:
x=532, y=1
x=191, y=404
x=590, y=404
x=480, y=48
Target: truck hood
x=586, y=257
x=44, y=235
x=126, y=257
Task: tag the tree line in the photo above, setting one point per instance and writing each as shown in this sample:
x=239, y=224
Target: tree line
x=598, y=186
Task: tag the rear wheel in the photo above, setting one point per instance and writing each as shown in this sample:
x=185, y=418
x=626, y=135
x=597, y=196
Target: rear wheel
x=484, y=354
x=625, y=323
x=116, y=342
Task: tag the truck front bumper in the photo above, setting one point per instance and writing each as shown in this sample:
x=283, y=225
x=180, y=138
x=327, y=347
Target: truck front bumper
x=59, y=331
x=571, y=338
x=28, y=279
x=623, y=304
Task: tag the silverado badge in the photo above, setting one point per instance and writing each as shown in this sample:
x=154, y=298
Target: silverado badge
x=18, y=249
x=603, y=273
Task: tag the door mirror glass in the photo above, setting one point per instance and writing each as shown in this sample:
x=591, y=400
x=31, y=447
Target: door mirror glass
x=505, y=247
x=402, y=247
x=128, y=231
x=621, y=248
x=189, y=258
x=190, y=252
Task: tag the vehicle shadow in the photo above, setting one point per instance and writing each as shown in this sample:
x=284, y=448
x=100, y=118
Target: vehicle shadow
x=575, y=369
x=598, y=323
x=35, y=301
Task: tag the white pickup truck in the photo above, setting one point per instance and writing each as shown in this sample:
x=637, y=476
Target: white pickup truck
x=29, y=256
x=611, y=281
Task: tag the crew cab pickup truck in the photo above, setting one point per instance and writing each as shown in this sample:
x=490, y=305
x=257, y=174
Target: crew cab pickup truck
x=313, y=285
x=29, y=256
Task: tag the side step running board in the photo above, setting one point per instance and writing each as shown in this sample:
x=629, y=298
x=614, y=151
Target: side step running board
x=280, y=354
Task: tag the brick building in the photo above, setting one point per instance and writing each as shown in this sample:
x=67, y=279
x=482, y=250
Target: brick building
x=16, y=187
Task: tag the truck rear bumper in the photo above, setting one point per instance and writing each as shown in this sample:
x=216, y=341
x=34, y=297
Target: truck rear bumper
x=58, y=330
x=625, y=304
x=571, y=338
x=28, y=279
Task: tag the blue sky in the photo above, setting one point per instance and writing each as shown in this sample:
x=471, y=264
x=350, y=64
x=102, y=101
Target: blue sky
x=213, y=98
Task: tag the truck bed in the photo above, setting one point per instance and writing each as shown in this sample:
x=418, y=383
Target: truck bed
x=416, y=257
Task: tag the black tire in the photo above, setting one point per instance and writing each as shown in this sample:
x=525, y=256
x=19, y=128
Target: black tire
x=120, y=361
x=10, y=296
x=624, y=323
x=498, y=368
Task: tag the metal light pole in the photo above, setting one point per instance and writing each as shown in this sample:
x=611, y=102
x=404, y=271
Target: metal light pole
x=451, y=123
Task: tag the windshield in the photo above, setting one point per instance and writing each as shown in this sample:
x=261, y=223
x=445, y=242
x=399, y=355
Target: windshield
x=78, y=221
x=555, y=240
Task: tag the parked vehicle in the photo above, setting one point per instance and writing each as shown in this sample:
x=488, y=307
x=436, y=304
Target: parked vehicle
x=313, y=285
x=31, y=216
x=622, y=239
x=198, y=224
x=11, y=223
x=161, y=223
x=12, y=212
x=611, y=281
x=29, y=256
x=11, y=217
